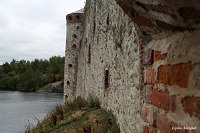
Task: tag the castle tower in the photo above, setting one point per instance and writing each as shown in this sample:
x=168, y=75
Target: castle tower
x=74, y=35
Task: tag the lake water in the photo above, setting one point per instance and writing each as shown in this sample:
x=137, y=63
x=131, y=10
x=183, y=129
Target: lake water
x=17, y=109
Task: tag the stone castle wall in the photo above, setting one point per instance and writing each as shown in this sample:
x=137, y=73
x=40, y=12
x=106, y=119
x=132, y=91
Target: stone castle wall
x=109, y=51
x=150, y=84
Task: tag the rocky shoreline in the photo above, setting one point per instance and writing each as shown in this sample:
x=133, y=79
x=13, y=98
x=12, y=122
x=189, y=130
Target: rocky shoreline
x=56, y=87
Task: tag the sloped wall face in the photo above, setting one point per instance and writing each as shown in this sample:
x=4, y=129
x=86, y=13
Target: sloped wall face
x=108, y=63
x=172, y=84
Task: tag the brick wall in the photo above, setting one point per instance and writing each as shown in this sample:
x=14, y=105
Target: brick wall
x=171, y=91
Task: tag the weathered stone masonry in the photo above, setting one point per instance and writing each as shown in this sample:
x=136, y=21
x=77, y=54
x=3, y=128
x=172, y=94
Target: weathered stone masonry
x=74, y=29
x=141, y=59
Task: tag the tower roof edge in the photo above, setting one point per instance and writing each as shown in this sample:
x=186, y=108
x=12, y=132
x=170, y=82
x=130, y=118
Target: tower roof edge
x=77, y=12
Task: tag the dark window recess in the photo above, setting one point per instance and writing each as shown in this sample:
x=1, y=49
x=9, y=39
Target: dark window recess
x=68, y=82
x=74, y=46
x=74, y=36
x=77, y=27
x=66, y=96
x=108, y=20
x=106, y=82
x=77, y=17
x=70, y=18
x=94, y=28
x=89, y=54
x=70, y=65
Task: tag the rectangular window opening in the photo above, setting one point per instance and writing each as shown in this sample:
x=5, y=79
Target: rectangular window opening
x=106, y=82
x=89, y=55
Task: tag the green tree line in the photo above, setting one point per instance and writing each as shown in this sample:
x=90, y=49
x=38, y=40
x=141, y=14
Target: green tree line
x=31, y=75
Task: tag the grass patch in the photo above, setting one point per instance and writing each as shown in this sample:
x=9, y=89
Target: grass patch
x=79, y=116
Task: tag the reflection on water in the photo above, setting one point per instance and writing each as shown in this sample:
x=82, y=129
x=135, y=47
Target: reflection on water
x=17, y=109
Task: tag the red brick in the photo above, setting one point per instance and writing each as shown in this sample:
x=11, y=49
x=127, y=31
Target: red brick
x=160, y=8
x=147, y=130
x=164, y=126
x=191, y=105
x=175, y=74
x=148, y=116
x=150, y=76
x=161, y=99
x=143, y=21
x=158, y=56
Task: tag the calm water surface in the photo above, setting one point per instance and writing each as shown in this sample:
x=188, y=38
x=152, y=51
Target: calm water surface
x=17, y=109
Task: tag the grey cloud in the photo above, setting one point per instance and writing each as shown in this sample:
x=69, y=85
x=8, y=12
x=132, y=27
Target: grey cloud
x=32, y=29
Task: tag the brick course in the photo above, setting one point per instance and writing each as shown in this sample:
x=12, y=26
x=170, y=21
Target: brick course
x=160, y=99
x=175, y=74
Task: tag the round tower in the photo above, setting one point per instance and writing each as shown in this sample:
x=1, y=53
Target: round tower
x=74, y=35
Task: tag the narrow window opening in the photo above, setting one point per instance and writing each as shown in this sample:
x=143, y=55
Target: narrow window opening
x=74, y=36
x=77, y=17
x=70, y=65
x=70, y=18
x=106, y=82
x=74, y=46
x=94, y=28
x=68, y=83
x=89, y=55
x=77, y=27
x=108, y=20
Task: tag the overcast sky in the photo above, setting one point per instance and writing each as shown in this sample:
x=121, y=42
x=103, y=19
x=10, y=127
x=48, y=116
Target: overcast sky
x=32, y=29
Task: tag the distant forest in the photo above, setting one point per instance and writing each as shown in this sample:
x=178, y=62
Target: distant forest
x=31, y=75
